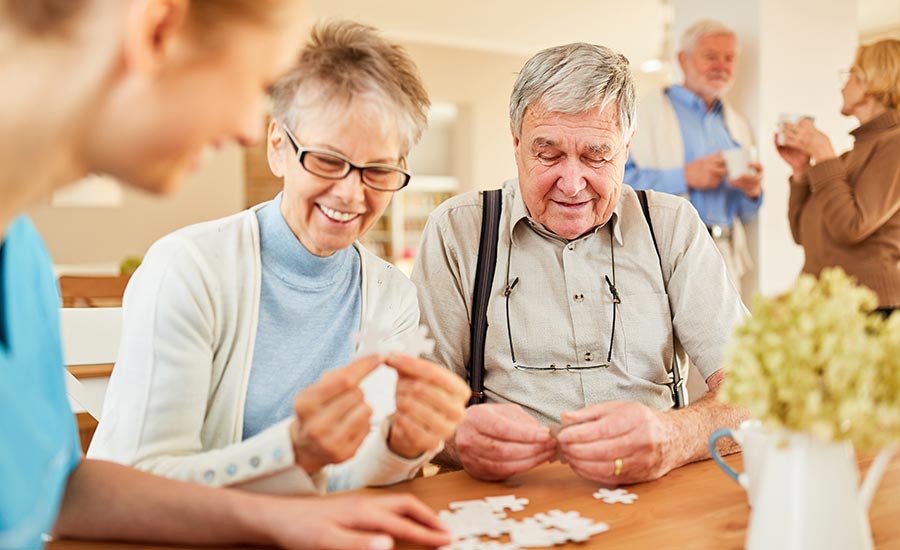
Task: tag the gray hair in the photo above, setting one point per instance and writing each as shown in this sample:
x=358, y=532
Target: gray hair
x=345, y=63
x=574, y=79
x=700, y=29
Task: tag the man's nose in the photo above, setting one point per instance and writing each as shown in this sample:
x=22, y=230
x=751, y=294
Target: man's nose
x=572, y=178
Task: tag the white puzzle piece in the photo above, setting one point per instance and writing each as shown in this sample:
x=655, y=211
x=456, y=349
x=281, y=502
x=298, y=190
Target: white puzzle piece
x=509, y=502
x=378, y=340
x=615, y=496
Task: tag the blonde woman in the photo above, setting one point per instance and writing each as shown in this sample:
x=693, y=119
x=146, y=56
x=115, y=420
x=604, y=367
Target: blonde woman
x=845, y=210
x=135, y=89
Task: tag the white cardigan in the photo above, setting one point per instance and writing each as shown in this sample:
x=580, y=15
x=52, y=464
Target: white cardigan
x=175, y=403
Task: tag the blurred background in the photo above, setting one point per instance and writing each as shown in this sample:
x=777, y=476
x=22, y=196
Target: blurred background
x=469, y=52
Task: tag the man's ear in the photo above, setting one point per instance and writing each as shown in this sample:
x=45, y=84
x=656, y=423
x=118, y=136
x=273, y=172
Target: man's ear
x=274, y=143
x=515, y=137
x=682, y=61
x=151, y=29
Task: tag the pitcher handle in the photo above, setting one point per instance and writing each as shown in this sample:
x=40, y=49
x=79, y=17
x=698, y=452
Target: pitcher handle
x=717, y=435
x=873, y=476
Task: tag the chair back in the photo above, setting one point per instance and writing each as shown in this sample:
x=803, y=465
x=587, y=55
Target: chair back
x=92, y=290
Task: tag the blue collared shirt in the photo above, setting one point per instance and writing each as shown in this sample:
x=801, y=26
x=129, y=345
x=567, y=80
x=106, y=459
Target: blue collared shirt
x=703, y=133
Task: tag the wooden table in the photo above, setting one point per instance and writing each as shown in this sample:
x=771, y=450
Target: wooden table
x=696, y=507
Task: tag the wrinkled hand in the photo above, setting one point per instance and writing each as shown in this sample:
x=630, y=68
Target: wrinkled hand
x=495, y=441
x=705, y=172
x=593, y=438
x=349, y=523
x=805, y=137
x=431, y=401
x=751, y=182
x=332, y=416
x=796, y=159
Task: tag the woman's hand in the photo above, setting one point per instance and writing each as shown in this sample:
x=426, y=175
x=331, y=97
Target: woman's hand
x=332, y=416
x=796, y=159
x=430, y=403
x=805, y=137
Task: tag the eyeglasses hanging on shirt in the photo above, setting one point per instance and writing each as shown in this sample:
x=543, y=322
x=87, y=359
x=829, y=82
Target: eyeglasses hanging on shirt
x=616, y=300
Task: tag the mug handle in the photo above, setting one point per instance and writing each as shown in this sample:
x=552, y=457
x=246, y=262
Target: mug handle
x=717, y=435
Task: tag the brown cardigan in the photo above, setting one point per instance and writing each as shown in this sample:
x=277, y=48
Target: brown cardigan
x=846, y=212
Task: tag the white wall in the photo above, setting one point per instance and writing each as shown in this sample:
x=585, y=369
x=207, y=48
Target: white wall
x=789, y=62
x=101, y=235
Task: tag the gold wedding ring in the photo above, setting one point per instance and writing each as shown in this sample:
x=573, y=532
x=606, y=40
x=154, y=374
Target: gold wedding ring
x=618, y=463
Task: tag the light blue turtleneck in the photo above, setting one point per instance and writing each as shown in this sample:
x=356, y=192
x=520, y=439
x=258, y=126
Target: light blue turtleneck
x=309, y=307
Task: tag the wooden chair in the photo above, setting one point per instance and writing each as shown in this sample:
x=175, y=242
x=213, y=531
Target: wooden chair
x=90, y=338
x=92, y=291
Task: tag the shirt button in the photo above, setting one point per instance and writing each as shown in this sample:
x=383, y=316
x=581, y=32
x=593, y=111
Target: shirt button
x=254, y=462
x=209, y=476
x=578, y=298
x=231, y=469
x=588, y=356
x=571, y=246
x=277, y=454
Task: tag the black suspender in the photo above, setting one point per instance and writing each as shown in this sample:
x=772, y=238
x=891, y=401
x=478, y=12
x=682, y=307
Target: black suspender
x=679, y=391
x=484, y=279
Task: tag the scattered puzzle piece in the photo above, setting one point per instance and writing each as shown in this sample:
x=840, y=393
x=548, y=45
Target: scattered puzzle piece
x=615, y=496
x=510, y=502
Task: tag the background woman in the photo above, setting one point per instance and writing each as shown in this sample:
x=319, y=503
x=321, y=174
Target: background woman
x=225, y=321
x=844, y=209
x=134, y=89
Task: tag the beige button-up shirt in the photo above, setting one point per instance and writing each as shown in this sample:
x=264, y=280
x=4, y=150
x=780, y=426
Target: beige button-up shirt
x=561, y=308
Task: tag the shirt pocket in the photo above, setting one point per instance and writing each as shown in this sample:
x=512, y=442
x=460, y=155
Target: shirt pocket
x=646, y=325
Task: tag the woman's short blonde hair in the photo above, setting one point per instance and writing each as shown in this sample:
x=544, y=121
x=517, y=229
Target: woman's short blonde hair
x=53, y=17
x=878, y=66
x=345, y=63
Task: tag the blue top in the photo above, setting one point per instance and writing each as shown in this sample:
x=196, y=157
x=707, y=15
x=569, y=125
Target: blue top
x=309, y=308
x=39, y=443
x=703, y=133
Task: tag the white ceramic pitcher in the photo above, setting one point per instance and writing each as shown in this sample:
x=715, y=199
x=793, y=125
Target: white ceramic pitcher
x=809, y=497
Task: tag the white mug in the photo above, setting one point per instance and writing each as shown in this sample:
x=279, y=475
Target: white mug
x=737, y=161
x=752, y=438
x=792, y=118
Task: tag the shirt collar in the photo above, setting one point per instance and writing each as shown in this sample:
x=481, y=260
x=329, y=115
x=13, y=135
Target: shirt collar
x=519, y=216
x=687, y=98
x=884, y=121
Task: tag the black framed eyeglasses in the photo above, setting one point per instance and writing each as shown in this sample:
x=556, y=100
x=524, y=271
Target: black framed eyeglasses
x=334, y=166
x=616, y=300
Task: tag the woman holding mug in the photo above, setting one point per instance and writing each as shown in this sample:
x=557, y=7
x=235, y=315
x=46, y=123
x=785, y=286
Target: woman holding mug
x=845, y=210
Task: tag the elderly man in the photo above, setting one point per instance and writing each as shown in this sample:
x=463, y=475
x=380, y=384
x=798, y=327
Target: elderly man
x=583, y=317
x=683, y=131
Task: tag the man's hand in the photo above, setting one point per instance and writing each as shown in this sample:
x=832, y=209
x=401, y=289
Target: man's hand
x=705, y=172
x=349, y=523
x=751, y=182
x=495, y=441
x=332, y=416
x=594, y=439
x=431, y=401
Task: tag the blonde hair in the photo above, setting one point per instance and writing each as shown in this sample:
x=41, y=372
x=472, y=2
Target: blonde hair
x=345, y=62
x=49, y=17
x=878, y=66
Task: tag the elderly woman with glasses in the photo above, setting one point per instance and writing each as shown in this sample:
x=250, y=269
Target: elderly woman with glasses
x=236, y=331
x=845, y=210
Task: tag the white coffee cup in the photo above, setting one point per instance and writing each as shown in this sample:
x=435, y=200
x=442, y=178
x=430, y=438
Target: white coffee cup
x=753, y=438
x=792, y=118
x=737, y=161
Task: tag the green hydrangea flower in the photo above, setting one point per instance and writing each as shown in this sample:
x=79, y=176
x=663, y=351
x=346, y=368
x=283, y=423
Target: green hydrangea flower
x=816, y=360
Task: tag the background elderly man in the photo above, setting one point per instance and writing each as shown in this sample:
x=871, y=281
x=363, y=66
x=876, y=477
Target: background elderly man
x=582, y=312
x=683, y=131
